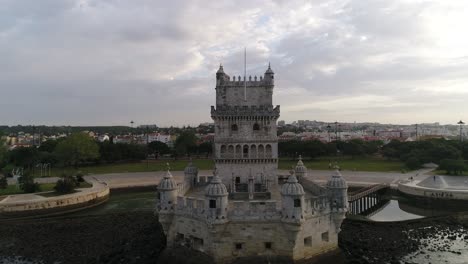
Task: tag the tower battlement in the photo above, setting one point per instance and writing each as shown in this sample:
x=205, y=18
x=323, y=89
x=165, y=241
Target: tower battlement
x=244, y=91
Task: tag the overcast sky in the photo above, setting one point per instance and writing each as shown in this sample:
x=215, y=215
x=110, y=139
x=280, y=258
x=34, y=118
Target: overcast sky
x=106, y=62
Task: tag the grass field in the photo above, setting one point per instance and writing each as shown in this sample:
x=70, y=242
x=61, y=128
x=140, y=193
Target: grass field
x=175, y=165
x=443, y=172
x=345, y=163
x=348, y=163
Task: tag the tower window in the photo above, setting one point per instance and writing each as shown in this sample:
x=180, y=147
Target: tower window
x=212, y=203
x=308, y=241
x=256, y=127
x=268, y=245
x=238, y=246
x=297, y=202
x=246, y=151
x=234, y=127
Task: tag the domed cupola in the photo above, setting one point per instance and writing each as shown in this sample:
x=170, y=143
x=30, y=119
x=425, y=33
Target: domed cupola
x=216, y=187
x=167, y=183
x=300, y=169
x=292, y=187
x=216, y=200
x=337, y=181
x=338, y=191
x=191, y=169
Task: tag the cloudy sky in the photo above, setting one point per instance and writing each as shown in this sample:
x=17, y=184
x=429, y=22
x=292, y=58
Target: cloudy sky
x=106, y=62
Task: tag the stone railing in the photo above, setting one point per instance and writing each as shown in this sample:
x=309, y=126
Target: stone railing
x=190, y=206
x=253, y=210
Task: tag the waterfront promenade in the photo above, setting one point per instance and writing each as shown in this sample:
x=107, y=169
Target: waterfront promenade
x=143, y=179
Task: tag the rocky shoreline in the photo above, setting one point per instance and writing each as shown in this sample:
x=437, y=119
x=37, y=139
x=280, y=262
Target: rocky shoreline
x=403, y=242
x=137, y=237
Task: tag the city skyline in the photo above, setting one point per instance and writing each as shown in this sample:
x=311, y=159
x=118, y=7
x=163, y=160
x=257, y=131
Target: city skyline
x=109, y=62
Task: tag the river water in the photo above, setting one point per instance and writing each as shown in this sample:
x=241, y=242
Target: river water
x=437, y=249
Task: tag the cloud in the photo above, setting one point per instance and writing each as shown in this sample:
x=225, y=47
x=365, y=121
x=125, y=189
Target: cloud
x=106, y=62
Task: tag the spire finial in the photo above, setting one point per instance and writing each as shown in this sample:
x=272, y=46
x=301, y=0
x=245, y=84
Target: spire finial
x=300, y=157
x=167, y=166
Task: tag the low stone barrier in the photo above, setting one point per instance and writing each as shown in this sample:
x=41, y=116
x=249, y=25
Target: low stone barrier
x=435, y=193
x=14, y=206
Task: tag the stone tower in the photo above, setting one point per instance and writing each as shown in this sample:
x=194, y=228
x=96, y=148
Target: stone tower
x=246, y=144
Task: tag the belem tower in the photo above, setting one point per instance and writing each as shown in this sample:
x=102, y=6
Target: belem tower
x=246, y=208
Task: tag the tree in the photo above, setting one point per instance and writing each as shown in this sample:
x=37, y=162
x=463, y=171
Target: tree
x=158, y=147
x=3, y=182
x=49, y=145
x=76, y=149
x=3, y=150
x=185, y=143
x=413, y=163
x=452, y=166
x=27, y=184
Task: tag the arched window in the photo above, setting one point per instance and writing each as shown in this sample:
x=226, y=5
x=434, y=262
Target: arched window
x=246, y=152
x=238, y=151
x=268, y=152
x=253, y=151
x=256, y=127
x=223, y=151
x=261, y=152
x=234, y=127
x=230, y=152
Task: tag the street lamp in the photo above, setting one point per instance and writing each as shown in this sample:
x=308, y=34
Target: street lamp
x=336, y=130
x=328, y=130
x=461, y=123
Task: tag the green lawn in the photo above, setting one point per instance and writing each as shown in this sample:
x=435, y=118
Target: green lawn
x=45, y=187
x=12, y=189
x=345, y=163
x=443, y=172
x=348, y=163
x=175, y=165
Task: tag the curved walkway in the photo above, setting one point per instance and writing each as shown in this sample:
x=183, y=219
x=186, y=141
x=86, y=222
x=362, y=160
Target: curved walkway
x=437, y=187
x=39, y=203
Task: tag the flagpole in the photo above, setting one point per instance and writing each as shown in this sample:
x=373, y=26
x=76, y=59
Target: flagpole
x=245, y=74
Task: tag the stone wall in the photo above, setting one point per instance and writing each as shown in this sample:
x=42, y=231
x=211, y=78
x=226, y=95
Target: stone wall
x=444, y=194
x=44, y=205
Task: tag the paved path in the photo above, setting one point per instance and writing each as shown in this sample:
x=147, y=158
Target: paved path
x=138, y=179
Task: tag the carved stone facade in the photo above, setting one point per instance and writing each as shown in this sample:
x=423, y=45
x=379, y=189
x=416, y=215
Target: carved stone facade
x=244, y=210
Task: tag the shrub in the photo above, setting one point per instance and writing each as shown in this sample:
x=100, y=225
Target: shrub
x=27, y=184
x=3, y=182
x=79, y=177
x=66, y=184
x=7, y=170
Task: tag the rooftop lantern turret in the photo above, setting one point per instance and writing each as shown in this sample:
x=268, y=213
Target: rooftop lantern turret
x=167, y=189
x=269, y=76
x=300, y=169
x=338, y=191
x=292, y=196
x=216, y=200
